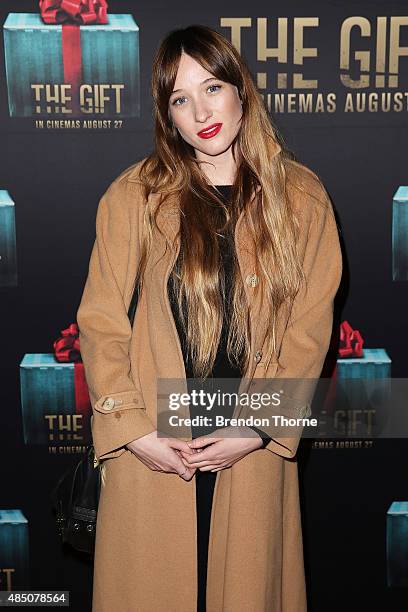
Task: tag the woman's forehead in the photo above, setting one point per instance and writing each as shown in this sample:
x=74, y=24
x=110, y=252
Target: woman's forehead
x=190, y=72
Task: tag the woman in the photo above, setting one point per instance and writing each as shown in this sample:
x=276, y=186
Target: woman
x=237, y=251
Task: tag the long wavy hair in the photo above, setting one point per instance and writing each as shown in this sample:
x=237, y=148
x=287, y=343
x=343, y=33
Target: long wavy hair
x=173, y=168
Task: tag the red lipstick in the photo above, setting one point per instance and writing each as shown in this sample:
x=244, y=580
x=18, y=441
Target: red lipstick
x=210, y=131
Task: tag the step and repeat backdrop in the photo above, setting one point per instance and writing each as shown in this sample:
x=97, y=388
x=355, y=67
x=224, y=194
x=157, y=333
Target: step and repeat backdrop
x=75, y=110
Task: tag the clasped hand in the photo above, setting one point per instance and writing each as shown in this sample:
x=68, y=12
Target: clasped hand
x=221, y=450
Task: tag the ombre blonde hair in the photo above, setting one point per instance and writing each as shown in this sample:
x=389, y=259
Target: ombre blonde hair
x=173, y=168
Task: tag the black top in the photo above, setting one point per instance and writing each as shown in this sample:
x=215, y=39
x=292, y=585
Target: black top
x=222, y=368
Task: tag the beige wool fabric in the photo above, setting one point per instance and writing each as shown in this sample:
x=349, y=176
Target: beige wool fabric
x=146, y=557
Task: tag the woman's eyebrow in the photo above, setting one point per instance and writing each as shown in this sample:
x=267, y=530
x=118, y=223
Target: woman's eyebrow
x=202, y=83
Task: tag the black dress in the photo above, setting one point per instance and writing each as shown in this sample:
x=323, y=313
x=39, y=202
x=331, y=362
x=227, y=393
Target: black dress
x=205, y=481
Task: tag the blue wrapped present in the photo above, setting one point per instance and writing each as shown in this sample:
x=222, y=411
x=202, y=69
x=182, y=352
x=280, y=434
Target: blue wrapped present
x=397, y=544
x=363, y=390
x=14, y=559
x=8, y=255
x=375, y=363
x=400, y=235
x=60, y=71
x=52, y=413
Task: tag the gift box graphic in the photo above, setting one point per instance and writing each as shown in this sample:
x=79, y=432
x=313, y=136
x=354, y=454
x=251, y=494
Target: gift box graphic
x=72, y=60
x=360, y=387
x=400, y=235
x=373, y=363
x=55, y=402
x=363, y=390
x=397, y=544
x=14, y=560
x=8, y=256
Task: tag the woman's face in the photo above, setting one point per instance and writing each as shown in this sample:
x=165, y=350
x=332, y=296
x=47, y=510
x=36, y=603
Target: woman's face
x=200, y=101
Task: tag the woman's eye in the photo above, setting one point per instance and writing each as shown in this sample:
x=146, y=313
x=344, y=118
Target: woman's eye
x=219, y=86
x=176, y=100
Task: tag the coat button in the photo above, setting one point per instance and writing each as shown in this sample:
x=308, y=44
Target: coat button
x=108, y=404
x=258, y=356
x=252, y=280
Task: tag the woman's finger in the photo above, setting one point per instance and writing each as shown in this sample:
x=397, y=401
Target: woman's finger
x=202, y=441
x=212, y=468
x=209, y=462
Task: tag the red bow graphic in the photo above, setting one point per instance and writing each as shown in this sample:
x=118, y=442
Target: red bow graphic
x=74, y=11
x=351, y=341
x=66, y=347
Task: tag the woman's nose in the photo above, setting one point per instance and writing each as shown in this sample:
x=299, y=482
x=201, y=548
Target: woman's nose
x=202, y=113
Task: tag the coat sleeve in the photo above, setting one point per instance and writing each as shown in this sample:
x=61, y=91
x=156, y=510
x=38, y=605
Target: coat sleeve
x=307, y=336
x=118, y=411
x=265, y=438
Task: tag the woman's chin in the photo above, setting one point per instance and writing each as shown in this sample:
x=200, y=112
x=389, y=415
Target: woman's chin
x=214, y=148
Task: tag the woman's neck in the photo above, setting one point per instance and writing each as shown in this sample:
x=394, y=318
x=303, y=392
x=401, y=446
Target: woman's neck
x=219, y=169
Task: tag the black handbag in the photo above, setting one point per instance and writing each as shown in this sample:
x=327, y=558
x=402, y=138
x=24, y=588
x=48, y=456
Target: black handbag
x=75, y=502
x=75, y=498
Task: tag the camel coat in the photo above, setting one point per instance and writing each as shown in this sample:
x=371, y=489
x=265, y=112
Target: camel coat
x=145, y=556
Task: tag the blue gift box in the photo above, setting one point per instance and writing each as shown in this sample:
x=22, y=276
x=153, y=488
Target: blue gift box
x=363, y=390
x=48, y=402
x=8, y=255
x=34, y=56
x=400, y=234
x=375, y=363
x=397, y=544
x=14, y=560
